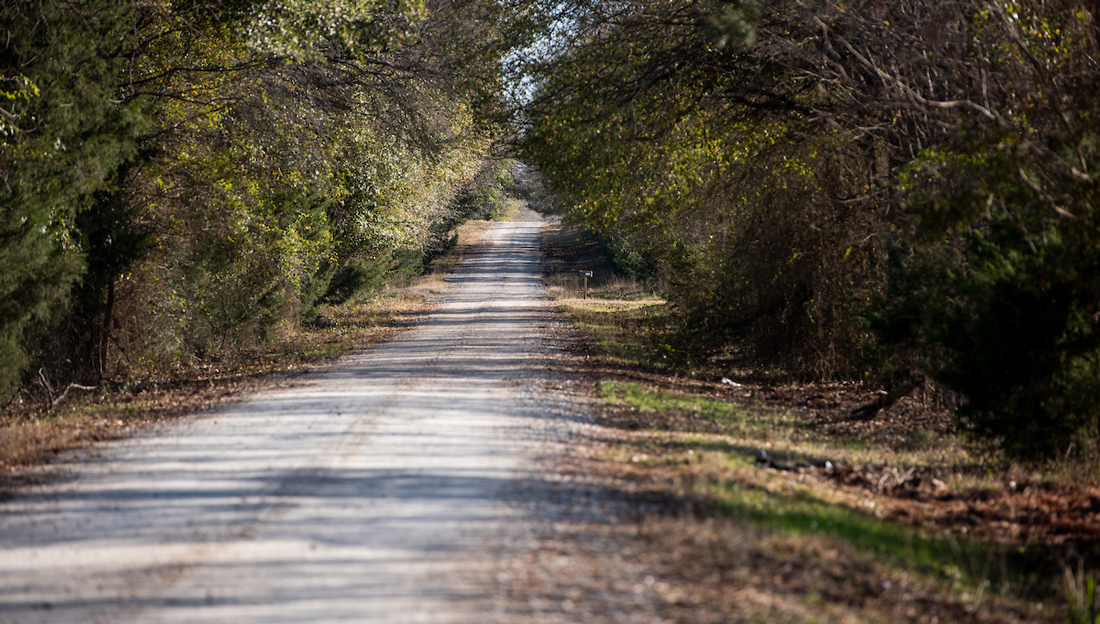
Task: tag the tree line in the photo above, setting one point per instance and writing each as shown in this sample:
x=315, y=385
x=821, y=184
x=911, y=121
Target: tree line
x=877, y=189
x=181, y=178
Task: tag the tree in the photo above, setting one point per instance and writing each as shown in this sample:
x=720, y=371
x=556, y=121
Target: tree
x=932, y=160
x=293, y=142
x=708, y=158
x=1003, y=241
x=64, y=137
x=186, y=177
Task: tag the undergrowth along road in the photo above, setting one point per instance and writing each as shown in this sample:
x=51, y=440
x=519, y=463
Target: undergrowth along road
x=759, y=497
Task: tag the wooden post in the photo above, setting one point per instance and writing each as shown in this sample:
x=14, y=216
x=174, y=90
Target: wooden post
x=586, y=274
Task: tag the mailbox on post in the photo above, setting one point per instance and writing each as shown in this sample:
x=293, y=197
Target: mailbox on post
x=586, y=274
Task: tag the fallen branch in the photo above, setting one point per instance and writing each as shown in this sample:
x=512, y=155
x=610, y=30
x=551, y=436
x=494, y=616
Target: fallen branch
x=45, y=383
x=870, y=410
x=65, y=395
x=764, y=461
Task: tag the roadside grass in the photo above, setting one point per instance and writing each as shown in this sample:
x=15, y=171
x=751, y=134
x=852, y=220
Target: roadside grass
x=693, y=456
x=34, y=429
x=718, y=460
x=628, y=333
x=898, y=502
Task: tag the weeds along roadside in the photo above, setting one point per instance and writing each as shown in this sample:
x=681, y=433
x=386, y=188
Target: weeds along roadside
x=901, y=499
x=34, y=432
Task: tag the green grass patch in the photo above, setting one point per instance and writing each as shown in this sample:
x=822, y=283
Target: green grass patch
x=714, y=457
x=966, y=565
x=727, y=418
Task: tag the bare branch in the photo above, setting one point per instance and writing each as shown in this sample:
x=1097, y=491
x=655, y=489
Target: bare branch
x=65, y=395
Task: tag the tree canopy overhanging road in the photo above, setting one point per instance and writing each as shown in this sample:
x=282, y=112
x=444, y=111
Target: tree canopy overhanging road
x=882, y=191
x=897, y=196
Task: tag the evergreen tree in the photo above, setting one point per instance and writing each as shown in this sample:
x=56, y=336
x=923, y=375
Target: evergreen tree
x=63, y=135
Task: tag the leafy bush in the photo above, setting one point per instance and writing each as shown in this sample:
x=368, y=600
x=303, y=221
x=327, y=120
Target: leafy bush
x=1000, y=297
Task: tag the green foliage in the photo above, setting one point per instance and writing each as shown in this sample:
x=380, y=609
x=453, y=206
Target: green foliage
x=629, y=256
x=765, y=183
x=359, y=276
x=732, y=23
x=280, y=147
x=63, y=135
x=483, y=197
x=1000, y=298
x=296, y=28
x=1084, y=603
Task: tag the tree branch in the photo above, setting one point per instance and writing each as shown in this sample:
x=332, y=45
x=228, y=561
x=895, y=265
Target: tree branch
x=868, y=411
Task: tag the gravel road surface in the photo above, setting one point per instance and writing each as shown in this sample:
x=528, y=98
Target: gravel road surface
x=392, y=486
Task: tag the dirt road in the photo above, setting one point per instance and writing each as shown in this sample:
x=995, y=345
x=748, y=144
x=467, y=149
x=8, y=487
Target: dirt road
x=384, y=488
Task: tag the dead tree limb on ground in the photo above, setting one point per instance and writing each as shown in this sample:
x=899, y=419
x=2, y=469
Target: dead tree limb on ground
x=868, y=411
x=65, y=395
